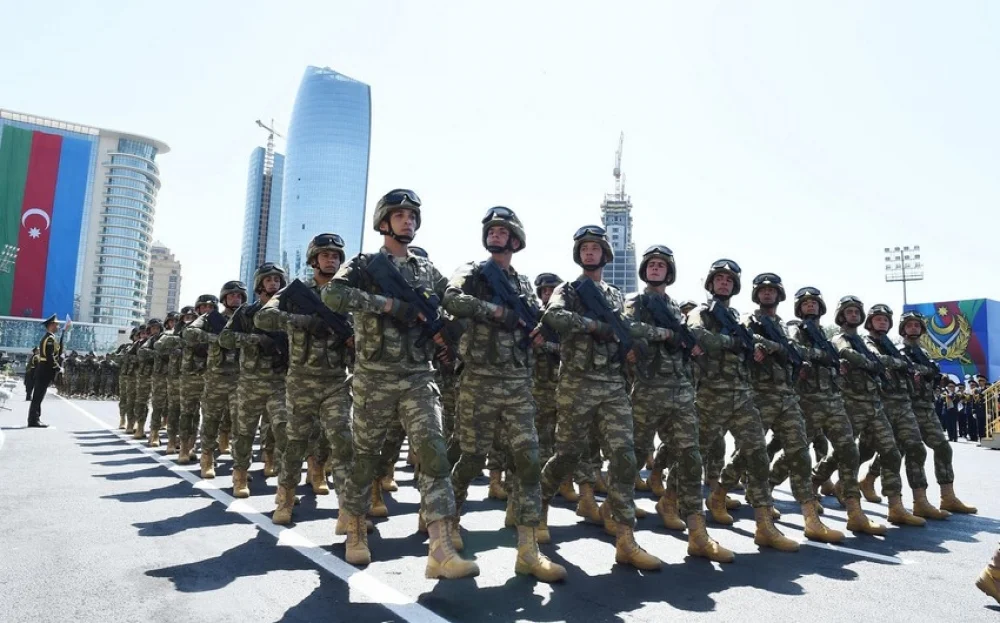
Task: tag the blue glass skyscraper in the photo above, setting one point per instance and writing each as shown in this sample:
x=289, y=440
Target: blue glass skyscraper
x=326, y=168
x=262, y=214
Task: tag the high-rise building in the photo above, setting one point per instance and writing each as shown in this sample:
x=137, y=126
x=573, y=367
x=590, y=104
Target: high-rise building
x=616, y=215
x=262, y=214
x=76, y=219
x=326, y=165
x=163, y=294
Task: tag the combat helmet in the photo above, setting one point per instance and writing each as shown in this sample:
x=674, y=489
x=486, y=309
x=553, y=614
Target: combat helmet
x=767, y=280
x=728, y=267
x=323, y=242
x=546, y=280
x=233, y=287
x=396, y=199
x=806, y=294
x=265, y=270
x=878, y=309
x=504, y=217
x=592, y=233
x=912, y=315
x=846, y=302
x=664, y=253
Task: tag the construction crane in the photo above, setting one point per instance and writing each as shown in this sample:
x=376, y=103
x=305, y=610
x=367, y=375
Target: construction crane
x=267, y=181
x=619, y=178
x=269, y=153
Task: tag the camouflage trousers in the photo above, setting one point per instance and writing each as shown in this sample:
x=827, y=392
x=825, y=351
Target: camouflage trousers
x=261, y=403
x=868, y=422
x=722, y=409
x=173, y=403
x=192, y=387
x=391, y=448
x=143, y=389
x=218, y=404
x=448, y=382
x=545, y=419
x=582, y=402
x=81, y=384
x=124, y=391
x=319, y=408
x=899, y=411
x=110, y=385
x=780, y=413
x=671, y=412
x=414, y=399
x=934, y=438
x=488, y=405
x=820, y=445
x=826, y=418
x=159, y=400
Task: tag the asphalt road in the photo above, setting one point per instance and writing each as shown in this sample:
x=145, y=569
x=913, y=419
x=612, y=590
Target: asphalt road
x=95, y=527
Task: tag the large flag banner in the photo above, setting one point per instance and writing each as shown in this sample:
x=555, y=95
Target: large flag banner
x=43, y=191
x=963, y=337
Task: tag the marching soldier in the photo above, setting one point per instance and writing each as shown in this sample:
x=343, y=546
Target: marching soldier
x=144, y=376
x=158, y=390
x=45, y=371
x=194, y=359
x=124, y=363
x=131, y=402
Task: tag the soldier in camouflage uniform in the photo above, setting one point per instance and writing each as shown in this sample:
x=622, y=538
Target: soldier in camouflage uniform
x=219, y=399
x=592, y=388
x=194, y=360
x=84, y=370
x=897, y=387
x=725, y=401
x=318, y=388
x=495, y=392
x=143, y=381
x=911, y=327
x=122, y=374
x=825, y=415
x=394, y=378
x=70, y=365
x=663, y=400
x=261, y=386
x=171, y=346
x=132, y=402
x=864, y=406
x=773, y=381
x=158, y=366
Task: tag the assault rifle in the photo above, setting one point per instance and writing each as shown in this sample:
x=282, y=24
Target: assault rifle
x=771, y=331
x=594, y=302
x=392, y=283
x=504, y=294
x=242, y=322
x=663, y=318
x=731, y=327
x=820, y=341
x=892, y=351
x=859, y=345
x=216, y=321
x=301, y=299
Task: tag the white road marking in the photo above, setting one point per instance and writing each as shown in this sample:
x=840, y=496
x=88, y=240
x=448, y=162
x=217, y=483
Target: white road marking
x=374, y=589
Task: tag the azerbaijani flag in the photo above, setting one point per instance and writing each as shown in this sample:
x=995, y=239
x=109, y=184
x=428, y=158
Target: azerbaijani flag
x=43, y=188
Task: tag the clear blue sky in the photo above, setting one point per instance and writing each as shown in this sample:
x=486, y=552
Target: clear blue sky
x=793, y=137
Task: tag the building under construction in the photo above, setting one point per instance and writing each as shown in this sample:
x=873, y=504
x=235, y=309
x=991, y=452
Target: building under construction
x=616, y=215
x=262, y=215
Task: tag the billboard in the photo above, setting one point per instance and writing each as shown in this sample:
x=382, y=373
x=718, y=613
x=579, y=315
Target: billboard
x=43, y=186
x=963, y=337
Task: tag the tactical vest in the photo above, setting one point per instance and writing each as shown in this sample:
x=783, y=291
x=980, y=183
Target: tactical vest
x=724, y=366
x=664, y=362
x=489, y=344
x=582, y=353
x=858, y=381
x=823, y=376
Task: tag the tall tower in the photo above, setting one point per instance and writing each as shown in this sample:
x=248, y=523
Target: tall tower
x=616, y=215
x=262, y=213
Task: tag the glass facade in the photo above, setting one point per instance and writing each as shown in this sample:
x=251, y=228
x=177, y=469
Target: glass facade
x=20, y=335
x=616, y=215
x=261, y=220
x=326, y=166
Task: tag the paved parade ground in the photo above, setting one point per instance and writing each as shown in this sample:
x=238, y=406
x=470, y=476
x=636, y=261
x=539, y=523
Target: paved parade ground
x=96, y=527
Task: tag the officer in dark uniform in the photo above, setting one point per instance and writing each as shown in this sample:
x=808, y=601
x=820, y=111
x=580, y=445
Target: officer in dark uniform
x=45, y=371
x=29, y=373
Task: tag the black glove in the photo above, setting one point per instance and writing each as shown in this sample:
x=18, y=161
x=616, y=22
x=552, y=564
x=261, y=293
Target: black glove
x=266, y=343
x=404, y=312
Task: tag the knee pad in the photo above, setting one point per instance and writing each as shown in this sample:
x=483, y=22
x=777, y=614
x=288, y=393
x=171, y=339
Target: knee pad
x=624, y=467
x=434, y=459
x=917, y=452
x=527, y=466
x=470, y=465
x=893, y=460
x=365, y=466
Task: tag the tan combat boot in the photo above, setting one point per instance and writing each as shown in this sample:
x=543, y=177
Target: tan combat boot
x=900, y=516
x=815, y=529
x=183, y=454
x=240, y=488
x=542, y=531
x=379, y=509
x=700, y=544
x=769, y=536
x=656, y=483
x=224, y=442
x=171, y=443
x=121, y=422
x=356, y=550
x=568, y=492
x=342, y=526
x=827, y=487
x=284, y=501
x=857, y=521
x=411, y=457
x=154, y=438
x=140, y=430
x=610, y=525
x=389, y=484
x=442, y=559
x=530, y=561
x=421, y=522
x=269, y=468
x=601, y=485
x=989, y=582
x=732, y=503
x=667, y=509
x=317, y=477
x=455, y=531
x=716, y=504
x=951, y=503
x=510, y=518
x=640, y=484
x=207, y=465
x=867, y=486
x=922, y=507
x=496, y=490
x=587, y=507
x=628, y=552
x=129, y=426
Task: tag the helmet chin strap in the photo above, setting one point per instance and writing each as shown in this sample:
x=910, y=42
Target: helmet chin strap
x=768, y=305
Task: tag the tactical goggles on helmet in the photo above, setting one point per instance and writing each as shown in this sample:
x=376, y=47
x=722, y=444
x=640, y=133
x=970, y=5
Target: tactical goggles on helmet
x=234, y=285
x=880, y=309
x=590, y=230
x=400, y=196
x=851, y=299
x=767, y=279
x=658, y=248
x=807, y=291
x=270, y=267
x=725, y=264
x=322, y=240
x=547, y=279
x=498, y=212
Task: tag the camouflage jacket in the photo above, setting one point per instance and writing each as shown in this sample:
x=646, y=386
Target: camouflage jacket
x=260, y=354
x=131, y=358
x=664, y=362
x=490, y=347
x=385, y=342
x=194, y=355
x=593, y=356
x=724, y=364
x=775, y=373
x=221, y=361
x=899, y=382
x=927, y=373
x=159, y=357
x=310, y=353
x=822, y=375
x=859, y=379
x=172, y=346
